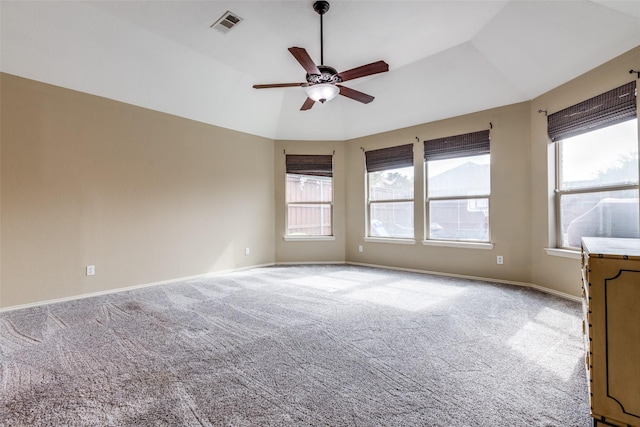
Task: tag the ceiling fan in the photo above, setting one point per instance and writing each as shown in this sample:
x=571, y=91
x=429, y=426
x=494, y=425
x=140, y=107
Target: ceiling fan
x=323, y=82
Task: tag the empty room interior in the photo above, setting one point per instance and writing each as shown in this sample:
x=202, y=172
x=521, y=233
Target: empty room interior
x=192, y=233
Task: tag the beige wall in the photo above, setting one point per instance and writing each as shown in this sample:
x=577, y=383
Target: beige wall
x=509, y=202
x=311, y=251
x=142, y=195
x=150, y=197
x=522, y=180
x=549, y=271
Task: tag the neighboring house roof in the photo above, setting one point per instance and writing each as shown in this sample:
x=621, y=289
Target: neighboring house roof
x=474, y=174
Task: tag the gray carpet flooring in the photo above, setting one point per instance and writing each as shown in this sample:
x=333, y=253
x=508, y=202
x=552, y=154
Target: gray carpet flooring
x=298, y=346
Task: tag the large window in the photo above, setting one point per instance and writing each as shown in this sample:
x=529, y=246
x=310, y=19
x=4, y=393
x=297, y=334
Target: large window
x=309, y=196
x=458, y=186
x=597, y=168
x=390, y=192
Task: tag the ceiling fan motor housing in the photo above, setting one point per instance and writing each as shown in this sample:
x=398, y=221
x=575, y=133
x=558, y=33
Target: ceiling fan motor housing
x=321, y=7
x=327, y=75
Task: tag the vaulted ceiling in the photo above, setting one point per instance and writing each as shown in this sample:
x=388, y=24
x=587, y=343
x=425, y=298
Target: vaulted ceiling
x=446, y=58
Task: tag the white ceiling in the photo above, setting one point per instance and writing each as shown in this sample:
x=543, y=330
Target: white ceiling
x=446, y=58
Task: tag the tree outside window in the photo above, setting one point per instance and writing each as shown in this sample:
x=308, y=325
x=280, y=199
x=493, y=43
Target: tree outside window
x=390, y=192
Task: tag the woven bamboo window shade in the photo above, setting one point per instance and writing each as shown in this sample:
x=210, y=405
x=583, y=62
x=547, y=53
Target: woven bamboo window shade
x=397, y=157
x=468, y=144
x=612, y=107
x=310, y=164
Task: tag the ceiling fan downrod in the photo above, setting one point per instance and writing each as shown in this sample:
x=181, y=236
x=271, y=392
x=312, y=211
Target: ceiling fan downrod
x=321, y=7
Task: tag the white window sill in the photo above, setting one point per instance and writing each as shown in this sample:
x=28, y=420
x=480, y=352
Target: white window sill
x=458, y=244
x=390, y=240
x=563, y=253
x=309, y=238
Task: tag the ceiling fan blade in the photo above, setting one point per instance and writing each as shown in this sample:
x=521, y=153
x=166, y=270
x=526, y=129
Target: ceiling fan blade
x=305, y=60
x=307, y=104
x=364, y=70
x=267, y=86
x=355, y=95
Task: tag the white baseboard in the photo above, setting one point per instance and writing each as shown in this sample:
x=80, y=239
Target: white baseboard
x=482, y=279
x=130, y=288
x=312, y=263
x=220, y=272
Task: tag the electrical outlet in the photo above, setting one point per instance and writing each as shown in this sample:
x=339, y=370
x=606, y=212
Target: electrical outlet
x=360, y=248
x=91, y=270
x=499, y=259
x=246, y=251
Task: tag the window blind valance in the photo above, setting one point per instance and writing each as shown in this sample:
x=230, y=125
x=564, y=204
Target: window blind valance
x=609, y=108
x=468, y=144
x=400, y=156
x=310, y=164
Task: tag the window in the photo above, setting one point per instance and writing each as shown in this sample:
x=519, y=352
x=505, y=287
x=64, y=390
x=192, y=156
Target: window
x=458, y=187
x=390, y=192
x=596, y=191
x=309, y=195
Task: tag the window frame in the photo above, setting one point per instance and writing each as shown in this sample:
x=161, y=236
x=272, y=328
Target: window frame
x=615, y=106
x=458, y=146
x=559, y=193
x=382, y=160
x=316, y=166
x=370, y=203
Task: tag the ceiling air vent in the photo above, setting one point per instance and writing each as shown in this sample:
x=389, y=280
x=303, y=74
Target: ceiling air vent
x=226, y=22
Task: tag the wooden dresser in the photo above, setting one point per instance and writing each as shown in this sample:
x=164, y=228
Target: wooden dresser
x=611, y=306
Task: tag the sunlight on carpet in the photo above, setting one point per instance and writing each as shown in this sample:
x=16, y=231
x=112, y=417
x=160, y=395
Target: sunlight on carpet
x=328, y=284
x=541, y=342
x=357, y=276
x=407, y=294
x=299, y=346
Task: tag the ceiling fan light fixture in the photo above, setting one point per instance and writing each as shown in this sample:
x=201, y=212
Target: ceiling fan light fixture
x=322, y=92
